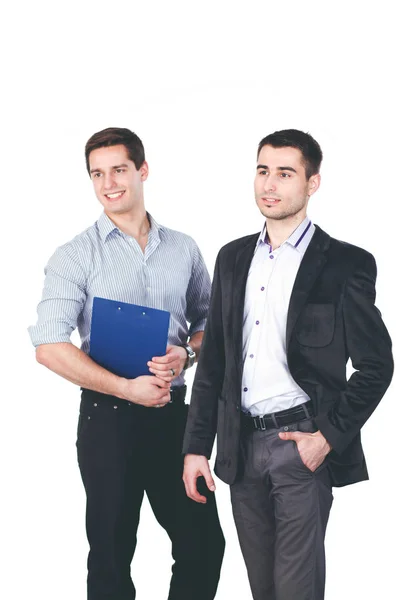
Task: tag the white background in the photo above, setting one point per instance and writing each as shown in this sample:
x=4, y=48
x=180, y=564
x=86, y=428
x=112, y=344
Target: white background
x=201, y=84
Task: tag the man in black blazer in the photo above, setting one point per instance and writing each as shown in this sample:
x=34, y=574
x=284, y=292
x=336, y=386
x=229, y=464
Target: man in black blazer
x=289, y=307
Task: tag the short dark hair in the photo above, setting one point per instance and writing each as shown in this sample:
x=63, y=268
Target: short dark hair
x=293, y=138
x=115, y=136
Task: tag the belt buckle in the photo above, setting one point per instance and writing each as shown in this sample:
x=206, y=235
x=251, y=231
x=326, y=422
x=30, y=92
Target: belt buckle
x=259, y=420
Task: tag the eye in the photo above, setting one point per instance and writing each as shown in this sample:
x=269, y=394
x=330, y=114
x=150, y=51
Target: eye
x=285, y=175
x=120, y=170
x=262, y=172
x=96, y=175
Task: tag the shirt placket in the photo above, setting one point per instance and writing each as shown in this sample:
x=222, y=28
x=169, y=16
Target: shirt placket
x=143, y=257
x=259, y=314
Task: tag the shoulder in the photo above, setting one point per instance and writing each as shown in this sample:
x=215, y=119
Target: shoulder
x=172, y=235
x=353, y=256
x=79, y=249
x=345, y=253
x=179, y=240
x=232, y=248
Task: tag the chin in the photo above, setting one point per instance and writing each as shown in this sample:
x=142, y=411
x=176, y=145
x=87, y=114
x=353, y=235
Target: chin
x=275, y=217
x=271, y=212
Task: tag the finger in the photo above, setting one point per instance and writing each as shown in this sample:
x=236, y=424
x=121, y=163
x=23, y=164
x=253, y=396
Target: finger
x=163, y=359
x=168, y=359
x=161, y=383
x=191, y=486
x=161, y=367
x=164, y=376
x=189, y=493
x=160, y=401
x=296, y=436
x=208, y=479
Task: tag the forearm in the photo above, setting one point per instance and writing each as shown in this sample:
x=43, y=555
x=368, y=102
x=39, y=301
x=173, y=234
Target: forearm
x=195, y=342
x=352, y=408
x=370, y=349
x=73, y=364
x=202, y=418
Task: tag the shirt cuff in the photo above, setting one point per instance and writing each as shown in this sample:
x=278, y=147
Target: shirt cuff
x=43, y=334
x=196, y=327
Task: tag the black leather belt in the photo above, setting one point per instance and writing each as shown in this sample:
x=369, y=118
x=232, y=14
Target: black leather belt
x=278, y=419
x=178, y=394
x=177, y=397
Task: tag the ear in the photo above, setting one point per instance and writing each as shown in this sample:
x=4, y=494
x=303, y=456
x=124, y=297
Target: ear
x=314, y=183
x=144, y=171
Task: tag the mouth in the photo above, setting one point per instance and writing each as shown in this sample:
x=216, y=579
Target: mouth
x=114, y=196
x=270, y=201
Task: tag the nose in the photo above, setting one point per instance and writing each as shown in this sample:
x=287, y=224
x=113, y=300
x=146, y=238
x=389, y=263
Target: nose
x=109, y=181
x=269, y=184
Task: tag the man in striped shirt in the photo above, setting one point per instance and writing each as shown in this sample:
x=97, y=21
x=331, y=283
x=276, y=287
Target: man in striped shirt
x=130, y=431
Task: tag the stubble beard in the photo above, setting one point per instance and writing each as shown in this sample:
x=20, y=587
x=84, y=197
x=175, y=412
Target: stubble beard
x=285, y=213
x=281, y=216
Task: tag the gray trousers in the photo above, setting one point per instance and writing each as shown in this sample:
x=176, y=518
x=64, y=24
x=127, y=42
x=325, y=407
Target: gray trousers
x=281, y=510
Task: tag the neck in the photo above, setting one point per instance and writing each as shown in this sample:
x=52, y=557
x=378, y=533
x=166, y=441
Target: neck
x=279, y=231
x=133, y=223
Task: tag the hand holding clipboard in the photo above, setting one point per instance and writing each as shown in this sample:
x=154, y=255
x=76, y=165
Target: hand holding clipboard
x=124, y=337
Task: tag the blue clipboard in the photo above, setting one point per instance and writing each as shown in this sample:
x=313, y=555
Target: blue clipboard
x=124, y=337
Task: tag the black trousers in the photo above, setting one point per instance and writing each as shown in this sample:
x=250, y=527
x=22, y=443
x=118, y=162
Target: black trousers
x=125, y=450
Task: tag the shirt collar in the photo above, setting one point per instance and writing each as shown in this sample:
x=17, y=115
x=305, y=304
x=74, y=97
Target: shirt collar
x=106, y=226
x=298, y=239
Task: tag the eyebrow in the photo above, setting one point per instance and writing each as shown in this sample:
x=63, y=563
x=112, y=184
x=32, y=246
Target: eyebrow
x=114, y=167
x=279, y=168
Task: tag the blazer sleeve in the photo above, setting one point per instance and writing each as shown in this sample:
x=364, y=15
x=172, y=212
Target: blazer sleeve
x=369, y=347
x=202, y=418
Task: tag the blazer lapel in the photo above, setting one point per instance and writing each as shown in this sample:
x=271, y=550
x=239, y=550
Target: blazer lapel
x=313, y=261
x=239, y=280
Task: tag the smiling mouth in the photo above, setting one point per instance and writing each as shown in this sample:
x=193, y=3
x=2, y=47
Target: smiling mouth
x=115, y=195
x=270, y=200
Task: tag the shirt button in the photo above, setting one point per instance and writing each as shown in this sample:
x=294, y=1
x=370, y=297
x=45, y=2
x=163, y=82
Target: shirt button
x=263, y=288
x=286, y=428
x=257, y=322
x=251, y=355
x=271, y=256
x=245, y=389
x=115, y=407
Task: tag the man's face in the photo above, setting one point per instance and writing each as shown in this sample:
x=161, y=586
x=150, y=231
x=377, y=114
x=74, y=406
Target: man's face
x=281, y=187
x=117, y=183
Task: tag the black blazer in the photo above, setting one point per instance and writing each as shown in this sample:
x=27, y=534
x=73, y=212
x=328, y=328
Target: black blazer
x=331, y=317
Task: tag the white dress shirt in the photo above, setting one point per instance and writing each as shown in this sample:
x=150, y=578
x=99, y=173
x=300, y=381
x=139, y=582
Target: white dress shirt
x=267, y=385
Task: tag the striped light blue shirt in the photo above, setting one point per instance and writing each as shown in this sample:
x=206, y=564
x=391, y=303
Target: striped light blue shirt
x=105, y=262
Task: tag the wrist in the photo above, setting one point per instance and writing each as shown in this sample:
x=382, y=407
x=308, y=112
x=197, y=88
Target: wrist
x=190, y=356
x=327, y=445
x=191, y=457
x=124, y=388
x=182, y=353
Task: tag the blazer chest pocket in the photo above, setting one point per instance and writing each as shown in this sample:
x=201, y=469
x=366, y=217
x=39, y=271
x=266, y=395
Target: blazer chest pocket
x=316, y=325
